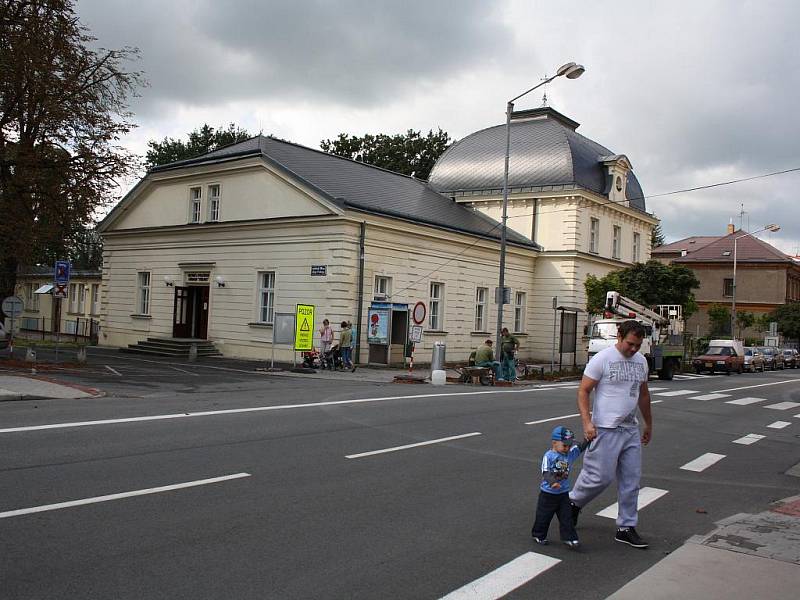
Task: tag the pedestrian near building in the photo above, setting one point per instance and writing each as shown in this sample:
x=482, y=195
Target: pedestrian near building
x=508, y=349
x=346, y=346
x=325, y=337
x=484, y=357
x=618, y=376
x=554, y=488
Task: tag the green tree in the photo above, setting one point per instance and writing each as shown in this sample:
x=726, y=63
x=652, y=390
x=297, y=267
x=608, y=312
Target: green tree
x=649, y=283
x=657, y=236
x=63, y=108
x=719, y=317
x=408, y=153
x=744, y=320
x=788, y=318
x=200, y=141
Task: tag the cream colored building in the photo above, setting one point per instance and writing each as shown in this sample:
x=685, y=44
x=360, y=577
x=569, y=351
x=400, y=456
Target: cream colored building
x=574, y=197
x=213, y=248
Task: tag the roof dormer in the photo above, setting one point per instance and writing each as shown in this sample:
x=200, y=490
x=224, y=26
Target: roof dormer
x=617, y=169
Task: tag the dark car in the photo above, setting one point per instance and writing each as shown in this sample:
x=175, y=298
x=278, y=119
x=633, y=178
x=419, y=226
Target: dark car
x=4, y=339
x=719, y=359
x=753, y=360
x=791, y=358
x=773, y=358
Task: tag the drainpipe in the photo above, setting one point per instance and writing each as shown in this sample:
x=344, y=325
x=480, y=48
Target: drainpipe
x=360, y=291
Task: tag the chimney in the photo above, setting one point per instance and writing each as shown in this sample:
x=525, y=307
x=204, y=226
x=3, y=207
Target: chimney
x=731, y=227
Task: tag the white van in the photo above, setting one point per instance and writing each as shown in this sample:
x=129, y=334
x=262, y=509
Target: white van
x=737, y=345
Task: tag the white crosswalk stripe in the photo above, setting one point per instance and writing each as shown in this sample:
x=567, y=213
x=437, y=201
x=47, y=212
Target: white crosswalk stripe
x=701, y=463
x=705, y=397
x=750, y=438
x=678, y=393
x=504, y=579
x=647, y=495
x=779, y=424
x=656, y=389
x=783, y=405
x=745, y=401
x=691, y=376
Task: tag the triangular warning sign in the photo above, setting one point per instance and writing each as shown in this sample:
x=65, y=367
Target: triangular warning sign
x=304, y=326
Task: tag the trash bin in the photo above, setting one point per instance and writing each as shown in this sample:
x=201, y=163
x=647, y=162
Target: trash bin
x=437, y=360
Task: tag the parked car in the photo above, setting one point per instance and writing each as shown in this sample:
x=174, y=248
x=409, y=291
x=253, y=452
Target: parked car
x=773, y=358
x=753, y=360
x=791, y=358
x=722, y=356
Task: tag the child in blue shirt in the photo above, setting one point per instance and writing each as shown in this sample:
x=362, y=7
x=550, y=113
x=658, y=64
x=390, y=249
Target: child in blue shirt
x=554, y=489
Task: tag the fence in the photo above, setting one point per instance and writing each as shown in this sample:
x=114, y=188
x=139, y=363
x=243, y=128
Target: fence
x=80, y=328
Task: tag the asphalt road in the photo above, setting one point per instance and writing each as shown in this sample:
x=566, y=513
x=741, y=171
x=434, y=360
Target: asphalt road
x=299, y=519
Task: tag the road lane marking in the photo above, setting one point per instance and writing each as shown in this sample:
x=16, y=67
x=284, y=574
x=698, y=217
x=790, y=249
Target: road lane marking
x=109, y=497
x=232, y=411
x=678, y=393
x=114, y=371
x=504, y=579
x=779, y=424
x=407, y=446
x=572, y=415
x=705, y=397
x=656, y=389
x=750, y=438
x=691, y=376
x=184, y=371
x=701, y=463
x=647, y=495
x=783, y=405
x=747, y=387
x=745, y=401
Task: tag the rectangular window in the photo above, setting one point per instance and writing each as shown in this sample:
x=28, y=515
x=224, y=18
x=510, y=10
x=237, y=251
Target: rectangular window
x=143, y=292
x=213, y=203
x=637, y=245
x=616, y=241
x=266, y=297
x=480, y=308
x=594, y=235
x=95, y=298
x=383, y=288
x=196, y=195
x=727, y=288
x=519, y=312
x=73, y=297
x=81, y=298
x=34, y=304
x=437, y=296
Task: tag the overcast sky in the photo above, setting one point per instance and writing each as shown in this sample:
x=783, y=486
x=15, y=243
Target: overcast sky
x=694, y=93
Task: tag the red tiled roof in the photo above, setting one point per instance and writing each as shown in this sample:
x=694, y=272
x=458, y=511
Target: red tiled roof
x=690, y=244
x=749, y=249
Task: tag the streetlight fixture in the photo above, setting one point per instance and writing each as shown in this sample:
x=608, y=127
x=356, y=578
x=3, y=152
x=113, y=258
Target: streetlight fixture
x=570, y=70
x=771, y=227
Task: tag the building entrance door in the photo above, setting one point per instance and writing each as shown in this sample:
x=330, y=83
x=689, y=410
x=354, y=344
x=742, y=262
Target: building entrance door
x=190, y=312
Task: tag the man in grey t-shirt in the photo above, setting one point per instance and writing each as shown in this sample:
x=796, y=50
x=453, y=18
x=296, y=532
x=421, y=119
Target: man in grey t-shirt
x=618, y=375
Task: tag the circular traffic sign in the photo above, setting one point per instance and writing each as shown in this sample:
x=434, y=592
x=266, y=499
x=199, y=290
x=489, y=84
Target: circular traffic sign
x=13, y=306
x=419, y=313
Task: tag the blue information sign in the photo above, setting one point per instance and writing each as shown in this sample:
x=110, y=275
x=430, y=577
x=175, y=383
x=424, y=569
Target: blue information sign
x=62, y=271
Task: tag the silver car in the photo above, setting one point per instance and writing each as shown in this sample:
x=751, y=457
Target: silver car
x=753, y=360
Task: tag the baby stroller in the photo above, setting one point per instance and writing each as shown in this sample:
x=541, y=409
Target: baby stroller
x=312, y=359
x=332, y=359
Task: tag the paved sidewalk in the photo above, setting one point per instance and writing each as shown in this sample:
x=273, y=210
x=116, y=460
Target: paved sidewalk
x=14, y=387
x=746, y=557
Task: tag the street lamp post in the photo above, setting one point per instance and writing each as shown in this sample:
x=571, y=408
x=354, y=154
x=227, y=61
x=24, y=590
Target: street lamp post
x=770, y=227
x=572, y=71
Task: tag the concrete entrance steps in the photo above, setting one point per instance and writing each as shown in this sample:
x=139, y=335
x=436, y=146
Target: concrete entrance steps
x=178, y=347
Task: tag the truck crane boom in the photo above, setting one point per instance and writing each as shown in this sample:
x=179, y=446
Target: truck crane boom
x=625, y=307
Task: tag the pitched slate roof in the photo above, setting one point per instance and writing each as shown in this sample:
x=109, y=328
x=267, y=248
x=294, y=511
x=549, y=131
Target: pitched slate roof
x=351, y=184
x=749, y=249
x=546, y=153
x=690, y=244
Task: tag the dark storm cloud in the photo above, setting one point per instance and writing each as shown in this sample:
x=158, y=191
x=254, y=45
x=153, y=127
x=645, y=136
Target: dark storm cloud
x=344, y=52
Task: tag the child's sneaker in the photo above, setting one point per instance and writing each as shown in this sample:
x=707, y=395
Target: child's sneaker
x=540, y=541
x=628, y=535
x=572, y=544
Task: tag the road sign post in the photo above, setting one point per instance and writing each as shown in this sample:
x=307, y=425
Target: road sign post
x=13, y=307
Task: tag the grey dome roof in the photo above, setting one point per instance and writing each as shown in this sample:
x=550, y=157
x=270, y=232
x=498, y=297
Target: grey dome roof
x=546, y=154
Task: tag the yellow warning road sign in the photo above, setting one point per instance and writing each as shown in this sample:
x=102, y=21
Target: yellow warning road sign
x=304, y=327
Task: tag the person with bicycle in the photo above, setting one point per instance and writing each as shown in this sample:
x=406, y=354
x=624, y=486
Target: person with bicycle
x=509, y=345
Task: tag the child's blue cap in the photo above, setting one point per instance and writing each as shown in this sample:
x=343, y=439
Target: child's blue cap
x=562, y=434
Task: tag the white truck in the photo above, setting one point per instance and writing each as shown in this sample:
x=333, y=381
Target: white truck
x=663, y=342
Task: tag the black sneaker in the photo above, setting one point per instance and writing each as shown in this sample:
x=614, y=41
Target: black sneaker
x=628, y=535
x=572, y=544
x=540, y=541
x=576, y=510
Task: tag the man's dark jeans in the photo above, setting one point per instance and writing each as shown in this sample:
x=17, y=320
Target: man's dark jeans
x=549, y=505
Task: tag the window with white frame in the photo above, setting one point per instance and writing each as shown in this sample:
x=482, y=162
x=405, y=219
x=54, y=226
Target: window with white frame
x=519, y=312
x=383, y=287
x=143, y=292
x=266, y=296
x=73, y=297
x=594, y=235
x=616, y=241
x=195, y=202
x=213, y=202
x=481, y=294
x=637, y=247
x=34, y=303
x=95, y=298
x=435, y=306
